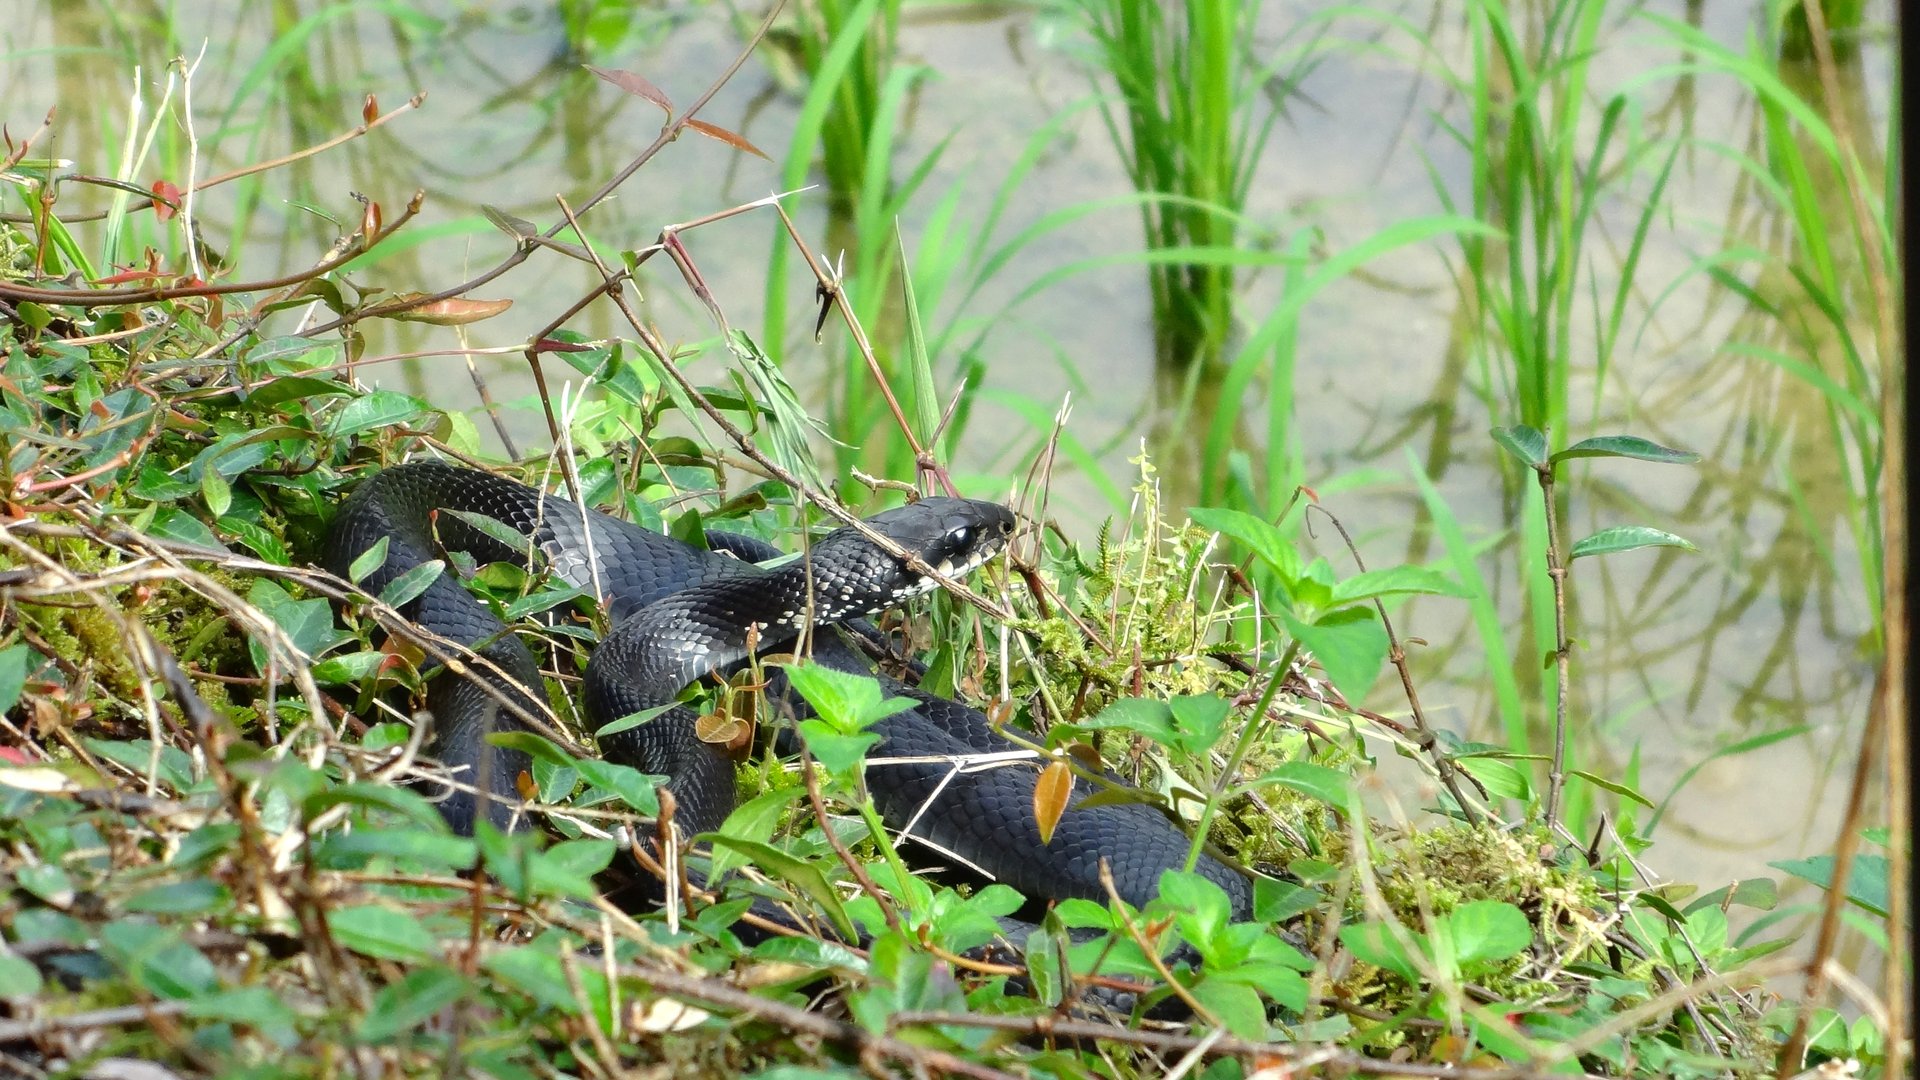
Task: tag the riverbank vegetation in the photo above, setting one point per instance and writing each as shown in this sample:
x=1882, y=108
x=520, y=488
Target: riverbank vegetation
x=214, y=861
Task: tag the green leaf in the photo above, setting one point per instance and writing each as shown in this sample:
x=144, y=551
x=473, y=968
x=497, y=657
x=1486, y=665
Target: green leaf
x=190, y=897
x=381, y=408
x=48, y=881
x=1527, y=445
x=255, y=1006
x=18, y=975
x=1198, y=720
x=415, y=848
x=159, y=959
x=567, y=868
x=294, y=353
x=1501, y=779
x=926, y=399
x=1236, y=1005
x=1397, y=581
x=1259, y=537
x=382, y=932
x=258, y=540
x=494, y=529
x=407, y=588
x=541, y=600
x=1376, y=944
x=295, y=388
x=1276, y=901
x=402, y=801
x=540, y=975
x=634, y=720
x=1486, y=931
x=348, y=668
x=1866, y=883
x=1350, y=644
x=402, y=1006
x=534, y=746
x=1045, y=966
x=839, y=754
x=752, y=820
x=845, y=701
x=1626, y=538
x=1201, y=909
x=14, y=660
x=1614, y=786
x=792, y=869
x=1626, y=446
x=1152, y=719
x=1330, y=786
x=1283, y=985
x=217, y=493
x=307, y=623
x=1761, y=893
x=183, y=528
x=633, y=787
x=368, y=561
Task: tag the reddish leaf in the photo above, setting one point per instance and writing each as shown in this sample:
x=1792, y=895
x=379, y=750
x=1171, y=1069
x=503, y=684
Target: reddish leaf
x=165, y=198
x=370, y=110
x=1050, y=797
x=635, y=85
x=738, y=142
x=126, y=276
x=547, y=345
x=370, y=220
x=449, y=312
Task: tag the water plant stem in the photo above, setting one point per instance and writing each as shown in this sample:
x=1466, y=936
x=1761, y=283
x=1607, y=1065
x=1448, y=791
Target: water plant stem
x=1557, y=574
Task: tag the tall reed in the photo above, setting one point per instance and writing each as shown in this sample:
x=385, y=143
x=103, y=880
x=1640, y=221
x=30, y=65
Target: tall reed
x=1190, y=121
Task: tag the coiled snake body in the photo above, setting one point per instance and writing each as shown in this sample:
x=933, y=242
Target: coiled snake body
x=681, y=612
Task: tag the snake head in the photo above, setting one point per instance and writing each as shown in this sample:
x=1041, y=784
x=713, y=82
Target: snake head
x=954, y=536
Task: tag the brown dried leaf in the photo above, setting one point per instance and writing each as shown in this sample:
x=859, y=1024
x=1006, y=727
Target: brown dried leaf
x=452, y=311
x=1050, y=796
x=1086, y=755
x=635, y=85
x=738, y=142
x=718, y=729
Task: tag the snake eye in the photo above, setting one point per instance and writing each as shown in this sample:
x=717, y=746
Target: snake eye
x=957, y=538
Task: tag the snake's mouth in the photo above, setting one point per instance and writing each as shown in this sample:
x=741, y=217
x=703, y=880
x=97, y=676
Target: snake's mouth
x=983, y=554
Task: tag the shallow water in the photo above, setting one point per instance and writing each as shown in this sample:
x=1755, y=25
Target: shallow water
x=1763, y=631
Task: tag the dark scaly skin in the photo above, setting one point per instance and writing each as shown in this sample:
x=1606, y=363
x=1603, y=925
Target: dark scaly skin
x=681, y=613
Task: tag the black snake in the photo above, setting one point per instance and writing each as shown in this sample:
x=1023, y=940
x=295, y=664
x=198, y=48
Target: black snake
x=680, y=613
